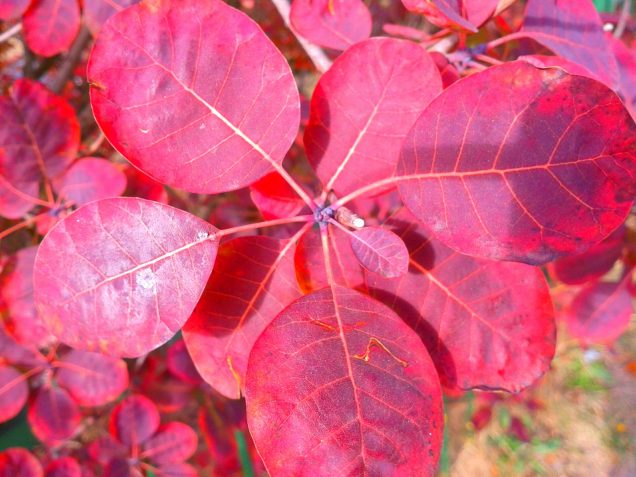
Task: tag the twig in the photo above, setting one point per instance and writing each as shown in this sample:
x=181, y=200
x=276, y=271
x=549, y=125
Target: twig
x=5, y=35
x=444, y=45
x=71, y=60
x=318, y=57
x=622, y=19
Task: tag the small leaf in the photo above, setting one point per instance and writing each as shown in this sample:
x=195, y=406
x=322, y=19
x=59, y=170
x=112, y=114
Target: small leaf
x=177, y=470
x=96, y=12
x=274, y=197
x=91, y=179
x=14, y=392
x=92, y=379
x=63, y=467
x=210, y=114
x=18, y=462
x=442, y=12
x=134, y=420
x=50, y=26
x=474, y=190
x=173, y=443
x=180, y=363
x=380, y=251
x=122, y=275
x=338, y=385
x=12, y=9
x=336, y=24
x=53, y=416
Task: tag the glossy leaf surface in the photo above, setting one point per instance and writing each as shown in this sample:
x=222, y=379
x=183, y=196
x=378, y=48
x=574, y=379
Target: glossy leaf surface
x=573, y=30
x=486, y=324
x=134, y=420
x=50, y=26
x=96, y=12
x=122, y=275
x=380, y=251
x=209, y=114
x=173, y=443
x=53, y=416
x=339, y=385
x=336, y=24
x=14, y=392
x=363, y=107
x=91, y=179
x=18, y=462
x=600, y=313
x=38, y=139
x=252, y=281
x=471, y=187
x=92, y=379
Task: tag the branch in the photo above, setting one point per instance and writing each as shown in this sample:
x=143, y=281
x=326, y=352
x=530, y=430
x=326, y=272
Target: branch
x=15, y=29
x=71, y=60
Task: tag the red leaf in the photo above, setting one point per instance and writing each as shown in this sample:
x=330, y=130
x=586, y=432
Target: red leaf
x=252, y=282
x=486, y=324
x=274, y=197
x=50, y=26
x=547, y=172
x=600, y=313
x=53, y=416
x=11, y=9
x=213, y=113
x=443, y=13
x=120, y=467
x=177, y=470
x=626, y=61
x=91, y=179
x=336, y=24
x=141, y=185
x=15, y=353
x=380, y=251
x=545, y=61
x=180, y=363
x=310, y=264
x=63, y=467
x=362, y=109
x=354, y=393
x=17, y=293
x=173, y=443
x=105, y=449
x=38, y=139
x=122, y=275
x=591, y=264
x=14, y=392
x=134, y=420
x=572, y=30
x=92, y=379
x=96, y=12
x=18, y=462
x=447, y=70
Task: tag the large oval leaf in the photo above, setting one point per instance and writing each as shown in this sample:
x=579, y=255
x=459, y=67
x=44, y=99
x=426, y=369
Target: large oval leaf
x=355, y=392
x=39, y=137
x=486, y=324
x=122, y=275
x=520, y=163
x=362, y=109
x=253, y=280
x=10, y=9
x=193, y=93
x=50, y=26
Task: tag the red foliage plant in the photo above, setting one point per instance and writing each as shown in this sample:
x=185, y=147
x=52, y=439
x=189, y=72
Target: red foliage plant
x=402, y=259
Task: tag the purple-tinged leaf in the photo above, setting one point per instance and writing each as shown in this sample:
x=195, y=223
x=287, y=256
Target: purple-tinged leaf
x=177, y=470
x=96, y=12
x=546, y=61
x=336, y=24
x=63, y=467
x=122, y=275
x=465, y=179
x=91, y=179
x=441, y=12
x=380, y=251
x=212, y=113
x=626, y=61
x=92, y=378
x=12, y=9
x=180, y=363
x=355, y=392
x=486, y=324
x=362, y=109
x=173, y=443
x=134, y=420
x=18, y=462
x=14, y=392
x=50, y=26
x=252, y=282
x=53, y=416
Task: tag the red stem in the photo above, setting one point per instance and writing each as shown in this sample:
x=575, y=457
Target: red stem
x=23, y=224
x=267, y=223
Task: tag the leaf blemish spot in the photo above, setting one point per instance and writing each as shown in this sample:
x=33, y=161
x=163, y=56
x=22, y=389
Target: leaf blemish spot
x=146, y=279
x=366, y=356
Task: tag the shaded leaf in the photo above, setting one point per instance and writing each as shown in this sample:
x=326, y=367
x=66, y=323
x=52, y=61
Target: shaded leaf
x=50, y=26
x=354, y=393
x=63, y=467
x=38, y=139
x=486, y=324
x=274, y=197
x=180, y=363
x=106, y=448
x=363, y=107
x=442, y=12
x=336, y=24
x=471, y=187
x=122, y=275
x=92, y=379
x=173, y=443
x=177, y=470
x=134, y=420
x=14, y=392
x=91, y=179
x=600, y=313
x=11, y=9
x=15, y=353
x=53, y=416
x=96, y=12
x=18, y=462
x=252, y=281
x=626, y=61
x=212, y=113
x=380, y=251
